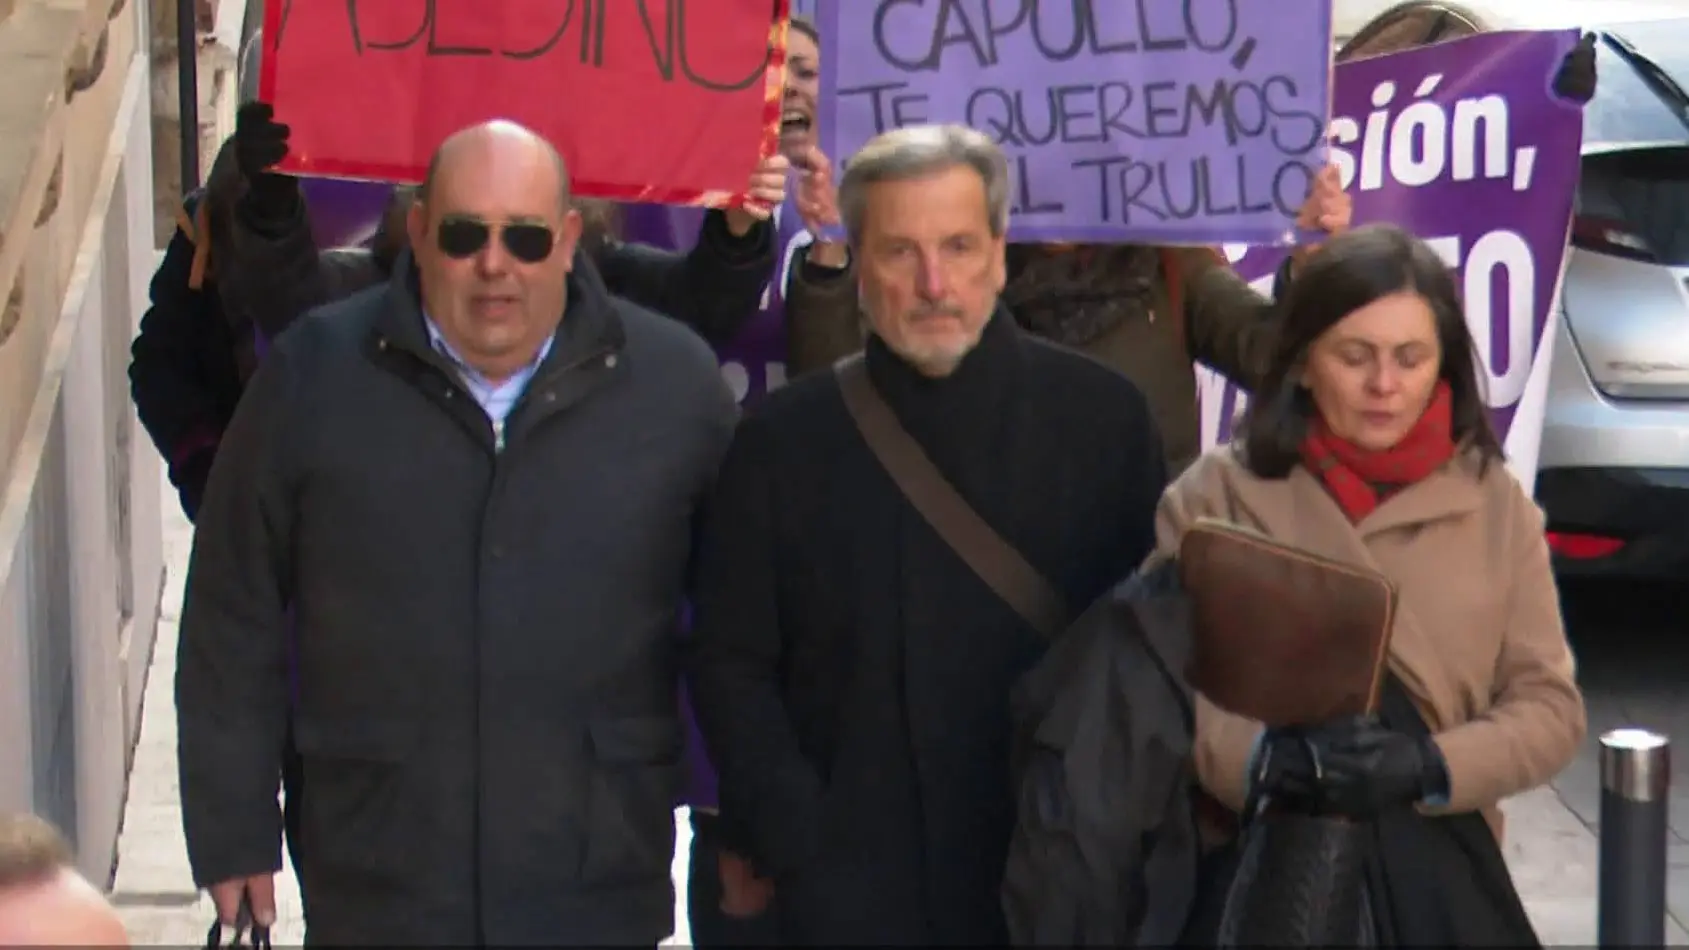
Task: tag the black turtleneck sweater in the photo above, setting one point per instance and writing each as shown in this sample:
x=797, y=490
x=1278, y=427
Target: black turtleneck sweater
x=852, y=675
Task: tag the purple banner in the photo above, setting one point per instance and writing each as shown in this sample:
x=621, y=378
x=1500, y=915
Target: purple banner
x=754, y=362
x=1466, y=145
x=1146, y=121
x=344, y=213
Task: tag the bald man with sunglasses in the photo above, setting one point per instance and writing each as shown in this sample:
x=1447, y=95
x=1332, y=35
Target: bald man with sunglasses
x=475, y=485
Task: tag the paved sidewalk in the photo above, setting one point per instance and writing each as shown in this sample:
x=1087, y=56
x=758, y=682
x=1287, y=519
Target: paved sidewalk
x=1551, y=851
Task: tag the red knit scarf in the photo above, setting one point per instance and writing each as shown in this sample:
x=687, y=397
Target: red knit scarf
x=1360, y=480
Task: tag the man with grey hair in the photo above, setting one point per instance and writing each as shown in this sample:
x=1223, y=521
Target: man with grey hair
x=474, y=486
x=853, y=671
x=44, y=902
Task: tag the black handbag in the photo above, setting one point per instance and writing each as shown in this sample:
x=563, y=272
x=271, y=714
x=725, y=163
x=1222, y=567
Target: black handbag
x=1402, y=879
x=1300, y=881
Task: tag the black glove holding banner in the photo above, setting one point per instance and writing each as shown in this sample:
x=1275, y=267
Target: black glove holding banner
x=260, y=144
x=1576, y=78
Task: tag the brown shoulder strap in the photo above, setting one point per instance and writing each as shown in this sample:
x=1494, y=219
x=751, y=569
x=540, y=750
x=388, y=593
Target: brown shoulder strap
x=198, y=233
x=997, y=563
x=1173, y=277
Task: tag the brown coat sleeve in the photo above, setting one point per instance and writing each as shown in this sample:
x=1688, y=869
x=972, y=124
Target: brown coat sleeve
x=1228, y=325
x=823, y=322
x=1537, y=720
x=1224, y=742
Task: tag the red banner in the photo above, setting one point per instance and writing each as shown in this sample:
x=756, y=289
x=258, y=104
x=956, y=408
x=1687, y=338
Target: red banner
x=669, y=101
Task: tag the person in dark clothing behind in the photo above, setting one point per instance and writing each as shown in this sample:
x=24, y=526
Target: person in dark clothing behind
x=852, y=674
x=244, y=266
x=476, y=486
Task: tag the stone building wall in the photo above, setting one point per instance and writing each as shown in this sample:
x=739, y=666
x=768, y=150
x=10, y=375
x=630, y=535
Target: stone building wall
x=81, y=566
x=220, y=25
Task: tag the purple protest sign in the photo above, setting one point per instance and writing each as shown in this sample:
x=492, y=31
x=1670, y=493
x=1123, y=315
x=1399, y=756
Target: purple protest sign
x=1466, y=145
x=1145, y=121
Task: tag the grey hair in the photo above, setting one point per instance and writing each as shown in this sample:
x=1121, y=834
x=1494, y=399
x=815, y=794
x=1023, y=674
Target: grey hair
x=917, y=151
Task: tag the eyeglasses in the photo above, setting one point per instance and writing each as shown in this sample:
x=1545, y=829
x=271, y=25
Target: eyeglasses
x=459, y=238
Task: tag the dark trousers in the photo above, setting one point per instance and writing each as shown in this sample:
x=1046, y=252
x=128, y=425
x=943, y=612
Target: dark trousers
x=293, y=798
x=710, y=927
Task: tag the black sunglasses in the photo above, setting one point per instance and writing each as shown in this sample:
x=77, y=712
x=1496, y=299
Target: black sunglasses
x=529, y=243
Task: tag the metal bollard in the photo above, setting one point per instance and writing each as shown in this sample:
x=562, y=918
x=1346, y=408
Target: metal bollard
x=1635, y=781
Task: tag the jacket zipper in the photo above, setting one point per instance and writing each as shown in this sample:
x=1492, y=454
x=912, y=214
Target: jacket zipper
x=551, y=376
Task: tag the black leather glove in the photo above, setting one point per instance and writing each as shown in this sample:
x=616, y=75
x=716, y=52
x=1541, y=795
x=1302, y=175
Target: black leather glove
x=1576, y=79
x=1363, y=768
x=1284, y=768
x=261, y=143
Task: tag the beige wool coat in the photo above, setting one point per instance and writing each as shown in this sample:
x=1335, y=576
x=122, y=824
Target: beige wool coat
x=1479, y=642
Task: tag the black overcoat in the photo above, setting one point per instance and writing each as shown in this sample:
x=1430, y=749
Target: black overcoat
x=853, y=676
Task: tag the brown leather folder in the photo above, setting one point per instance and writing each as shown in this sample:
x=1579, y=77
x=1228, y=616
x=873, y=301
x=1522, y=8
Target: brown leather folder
x=1283, y=636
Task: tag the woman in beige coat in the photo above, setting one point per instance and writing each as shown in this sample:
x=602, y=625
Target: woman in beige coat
x=1369, y=443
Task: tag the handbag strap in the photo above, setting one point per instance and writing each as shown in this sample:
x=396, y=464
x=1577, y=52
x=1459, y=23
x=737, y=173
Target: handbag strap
x=998, y=564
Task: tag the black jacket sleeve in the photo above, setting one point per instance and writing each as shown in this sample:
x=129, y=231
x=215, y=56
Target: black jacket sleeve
x=231, y=667
x=178, y=405
x=1144, y=482
x=1283, y=276
x=767, y=786
x=271, y=273
x=1139, y=478
x=714, y=288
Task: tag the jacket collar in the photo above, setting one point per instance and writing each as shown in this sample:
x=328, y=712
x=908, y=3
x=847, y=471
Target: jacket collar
x=1293, y=506
x=590, y=325
x=958, y=419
